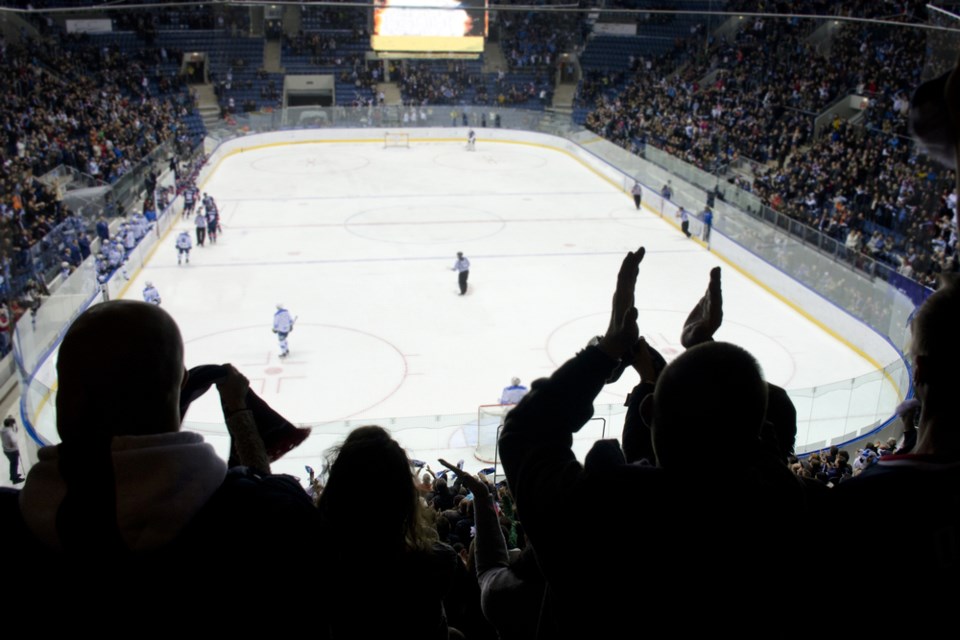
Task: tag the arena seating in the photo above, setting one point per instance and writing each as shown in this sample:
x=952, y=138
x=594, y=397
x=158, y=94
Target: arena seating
x=760, y=108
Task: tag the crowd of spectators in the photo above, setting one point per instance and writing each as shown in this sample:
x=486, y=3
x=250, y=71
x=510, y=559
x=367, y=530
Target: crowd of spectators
x=330, y=16
x=321, y=48
x=234, y=94
x=352, y=68
x=867, y=185
x=92, y=110
x=874, y=193
x=205, y=17
x=857, y=8
x=150, y=18
x=95, y=109
x=767, y=86
x=425, y=83
x=537, y=38
x=324, y=48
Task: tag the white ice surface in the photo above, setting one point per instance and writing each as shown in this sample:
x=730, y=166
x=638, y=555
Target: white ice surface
x=358, y=242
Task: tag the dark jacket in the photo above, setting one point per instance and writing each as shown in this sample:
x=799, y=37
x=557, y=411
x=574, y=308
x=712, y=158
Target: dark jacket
x=167, y=521
x=669, y=536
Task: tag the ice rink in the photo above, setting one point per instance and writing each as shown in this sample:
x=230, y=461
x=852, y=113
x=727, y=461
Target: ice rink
x=358, y=242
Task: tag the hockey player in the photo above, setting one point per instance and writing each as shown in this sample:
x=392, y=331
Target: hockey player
x=150, y=294
x=513, y=393
x=129, y=237
x=184, y=244
x=102, y=265
x=139, y=224
x=208, y=201
x=282, y=326
x=114, y=254
x=121, y=250
x=213, y=222
x=210, y=204
x=189, y=199
x=471, y=141
x=201, y=223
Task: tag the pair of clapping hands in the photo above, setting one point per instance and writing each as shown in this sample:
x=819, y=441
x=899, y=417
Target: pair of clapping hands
x=474, y=485
x=623, y=342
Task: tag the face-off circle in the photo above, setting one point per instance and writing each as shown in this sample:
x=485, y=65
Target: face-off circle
x=316, y=369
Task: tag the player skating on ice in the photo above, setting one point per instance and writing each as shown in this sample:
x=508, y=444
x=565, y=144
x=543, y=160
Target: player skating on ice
x=282, y=326
x=184, y=244
x=471, y=141
x=150, y=294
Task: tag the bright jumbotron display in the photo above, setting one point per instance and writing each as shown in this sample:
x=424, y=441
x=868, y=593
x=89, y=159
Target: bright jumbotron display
x=442, y=26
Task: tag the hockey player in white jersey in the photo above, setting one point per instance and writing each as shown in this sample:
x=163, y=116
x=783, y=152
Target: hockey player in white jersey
x=114, y=253
x=123, y=258
x=471, y=141
x=128, y=237
x=184, y=244
x=513, y=393
x=139, y=225
x=150, y=294
x=282, y=326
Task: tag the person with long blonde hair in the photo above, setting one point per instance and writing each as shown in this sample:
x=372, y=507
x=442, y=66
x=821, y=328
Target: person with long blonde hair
x=390, y=574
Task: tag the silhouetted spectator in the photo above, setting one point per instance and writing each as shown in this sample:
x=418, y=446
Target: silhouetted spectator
x=129, y=498
x=385, y=576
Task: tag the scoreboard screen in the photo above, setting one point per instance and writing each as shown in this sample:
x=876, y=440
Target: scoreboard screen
x=441, y=26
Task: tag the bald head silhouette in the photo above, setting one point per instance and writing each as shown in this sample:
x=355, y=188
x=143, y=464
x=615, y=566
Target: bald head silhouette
x=712, y=393
x=120, y=370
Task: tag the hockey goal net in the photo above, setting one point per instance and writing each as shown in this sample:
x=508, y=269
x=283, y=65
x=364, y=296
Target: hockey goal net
x=490, y=419
x=396, y=141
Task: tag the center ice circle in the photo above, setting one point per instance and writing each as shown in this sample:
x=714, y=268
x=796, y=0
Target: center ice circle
x=331, y=371
x=419, y=223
